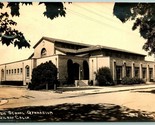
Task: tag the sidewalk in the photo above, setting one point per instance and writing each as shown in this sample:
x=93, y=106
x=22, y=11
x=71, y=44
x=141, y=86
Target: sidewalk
x=2, y=102
x=110, y=89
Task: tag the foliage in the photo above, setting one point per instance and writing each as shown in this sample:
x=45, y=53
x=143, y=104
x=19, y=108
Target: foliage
x=90, y=82
x=9, y=35
x=104, y=77
x=42, y=75
x=143, y=15
x=130, y=81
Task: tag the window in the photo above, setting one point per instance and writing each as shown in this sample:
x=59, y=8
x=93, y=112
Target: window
x=128, y=71
x=151, y=73
x=119, y=72
x=27, y=71
x=144, y=73
x=136, y=71
x=18, y=70
x=7, y=72
x=12, y=71
x=15, y=71
x=43, y=52
x=21, y=70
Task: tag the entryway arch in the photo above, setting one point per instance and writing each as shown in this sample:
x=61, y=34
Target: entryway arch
x=85, y=70
x=76, y=71
x=73, y=70
x=70, y=77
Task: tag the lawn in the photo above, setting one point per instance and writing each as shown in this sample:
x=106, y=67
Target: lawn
x=76, y=112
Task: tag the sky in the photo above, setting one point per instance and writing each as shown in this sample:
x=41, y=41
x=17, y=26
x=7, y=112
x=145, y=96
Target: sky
x=90, y=23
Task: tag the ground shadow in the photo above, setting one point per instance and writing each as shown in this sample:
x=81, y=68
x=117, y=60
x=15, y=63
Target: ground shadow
x=150, y=91
x=65, y=89
x=75, y=113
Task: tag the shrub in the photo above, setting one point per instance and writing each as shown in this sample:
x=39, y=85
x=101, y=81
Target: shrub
x=43, y=76
x=104, y=77
x=90, y=82
x=130, y=81
x=127, y=81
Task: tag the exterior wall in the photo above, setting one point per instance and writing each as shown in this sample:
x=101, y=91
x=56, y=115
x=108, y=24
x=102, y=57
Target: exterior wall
x=59, y=53
x=53, y=59
x=63, y=65
x=30, y=64
x=16, y=71
x=49, y=46
x=134, y=65
x=122, y=55
x=97, y=62
x=96, y=53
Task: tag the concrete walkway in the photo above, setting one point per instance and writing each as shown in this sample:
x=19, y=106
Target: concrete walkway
x=3, y=101
x=110, y=89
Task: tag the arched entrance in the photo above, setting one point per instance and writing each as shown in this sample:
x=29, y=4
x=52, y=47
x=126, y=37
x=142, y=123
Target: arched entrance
x=70, y=78
x=85, y=70
x=72, y=71
x=76, y=71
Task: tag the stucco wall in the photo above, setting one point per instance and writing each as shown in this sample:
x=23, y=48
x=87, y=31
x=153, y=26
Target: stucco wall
x=58, y=52
x=129, y=63
x=53, y=58
x=49, y=46
x=97, y=62
x=11, y=71
x=63, y=65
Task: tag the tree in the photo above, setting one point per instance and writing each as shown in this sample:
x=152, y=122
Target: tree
x=43, y=75
x=104, y=77
x=9, y=35
x=143, y=15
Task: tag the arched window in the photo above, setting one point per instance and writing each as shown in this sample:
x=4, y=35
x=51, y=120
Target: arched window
x=27, y=69
x=43, y=52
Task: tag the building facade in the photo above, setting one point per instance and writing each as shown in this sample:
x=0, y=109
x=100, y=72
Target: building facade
x=80, y=60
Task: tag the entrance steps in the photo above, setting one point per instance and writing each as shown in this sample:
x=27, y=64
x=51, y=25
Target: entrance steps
x=81, y=82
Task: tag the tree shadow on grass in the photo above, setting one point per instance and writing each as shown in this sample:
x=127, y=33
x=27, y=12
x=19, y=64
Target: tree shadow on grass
x=77, y=113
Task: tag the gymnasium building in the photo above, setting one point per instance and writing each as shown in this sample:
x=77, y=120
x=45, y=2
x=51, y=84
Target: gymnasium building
x=83, y=59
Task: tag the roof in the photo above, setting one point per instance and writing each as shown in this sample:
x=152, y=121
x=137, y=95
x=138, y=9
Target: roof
x=107, y=48
x=53, y=40
x=93, y=48
x=31, y=56
x=66, y=50
x=87, y=48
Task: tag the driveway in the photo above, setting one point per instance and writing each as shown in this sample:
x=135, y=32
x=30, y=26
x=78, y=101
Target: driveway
x=135, y=97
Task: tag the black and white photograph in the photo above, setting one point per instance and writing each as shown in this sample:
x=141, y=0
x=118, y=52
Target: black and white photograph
x=77, y=62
